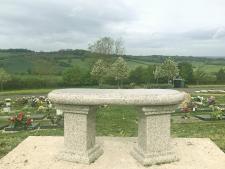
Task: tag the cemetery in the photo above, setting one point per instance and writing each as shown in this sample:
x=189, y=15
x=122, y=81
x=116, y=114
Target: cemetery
x=112, y=84
x=144, y=139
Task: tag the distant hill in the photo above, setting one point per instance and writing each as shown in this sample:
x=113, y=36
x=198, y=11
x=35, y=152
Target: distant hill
x=23, y=61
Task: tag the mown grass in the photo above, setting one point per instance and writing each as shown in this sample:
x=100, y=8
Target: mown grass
x=214, y=130
x=117, y=121
x=25, y=91
x=206, y=86
x=122, y=121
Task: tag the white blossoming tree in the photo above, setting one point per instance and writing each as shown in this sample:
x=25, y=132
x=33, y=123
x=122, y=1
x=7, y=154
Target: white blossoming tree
x=119, y=71
x=99, y=71
x=158, y=73
x=169, y=69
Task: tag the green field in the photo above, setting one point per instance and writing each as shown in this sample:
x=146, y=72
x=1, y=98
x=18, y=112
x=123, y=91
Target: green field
x=17, y=62
x=25, y=92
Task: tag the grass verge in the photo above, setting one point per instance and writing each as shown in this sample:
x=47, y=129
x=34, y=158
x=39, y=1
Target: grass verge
x=24, y=92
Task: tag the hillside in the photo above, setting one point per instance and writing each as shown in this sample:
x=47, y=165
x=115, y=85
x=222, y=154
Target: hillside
x=22, y=61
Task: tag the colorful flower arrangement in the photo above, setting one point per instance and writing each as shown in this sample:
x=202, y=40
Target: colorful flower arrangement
x=20, y=121
x=186, y=105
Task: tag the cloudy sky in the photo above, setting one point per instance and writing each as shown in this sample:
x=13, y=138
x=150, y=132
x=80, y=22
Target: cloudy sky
x=169, y=27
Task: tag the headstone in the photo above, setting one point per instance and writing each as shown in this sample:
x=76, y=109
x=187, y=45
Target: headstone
x=7, y=107
x=59, y=112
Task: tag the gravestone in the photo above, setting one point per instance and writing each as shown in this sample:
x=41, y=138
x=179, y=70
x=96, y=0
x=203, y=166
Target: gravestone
x=7, y=106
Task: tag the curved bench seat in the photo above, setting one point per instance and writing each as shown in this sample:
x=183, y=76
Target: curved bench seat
x=79, y=107
x=116, y=96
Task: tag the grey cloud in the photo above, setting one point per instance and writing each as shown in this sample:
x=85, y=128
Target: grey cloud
x=52, y=25
x=50, y=17
x=199, y=34
x=220, y=33
x=62, y=22
x=205, y=34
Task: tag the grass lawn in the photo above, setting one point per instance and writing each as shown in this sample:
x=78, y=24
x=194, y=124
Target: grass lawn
x=203, y=87
x=122, y=121
x=24, y=92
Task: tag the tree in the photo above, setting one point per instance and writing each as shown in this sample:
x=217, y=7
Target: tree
x=72, y=76
x=158, y=73
x=119, y=71
x=148, y=74
x=107, y=46
x=199, y=75
x=169, y=69
x=42, y=66
x=137, y=75
x=220, y=75
x=119, y=47
x=99, y=71
x=186, y=71
x=142, y=75
x=4, y=77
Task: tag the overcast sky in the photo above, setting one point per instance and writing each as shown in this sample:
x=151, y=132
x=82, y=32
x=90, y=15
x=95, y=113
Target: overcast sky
x=169, y=27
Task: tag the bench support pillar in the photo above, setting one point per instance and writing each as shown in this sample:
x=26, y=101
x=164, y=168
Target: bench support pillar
x=154, y=142
x=79, y=134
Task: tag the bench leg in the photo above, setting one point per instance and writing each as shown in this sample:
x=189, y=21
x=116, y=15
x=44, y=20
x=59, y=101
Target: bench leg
x=79, y=135
x=154, y=142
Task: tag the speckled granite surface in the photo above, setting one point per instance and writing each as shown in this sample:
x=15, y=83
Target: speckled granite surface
x=41, y=153
x=80, y=96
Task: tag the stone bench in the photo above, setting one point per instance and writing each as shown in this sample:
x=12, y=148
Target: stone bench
x=79, y=107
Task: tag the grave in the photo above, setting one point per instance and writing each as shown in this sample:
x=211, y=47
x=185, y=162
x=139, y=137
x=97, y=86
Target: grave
x=38, y=116
x=32, y=127
x=207, y=117
x=7, y=106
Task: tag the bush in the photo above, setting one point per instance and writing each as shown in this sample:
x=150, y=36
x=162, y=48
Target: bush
x=159, y=86
x=76, y=76
x=32, y=82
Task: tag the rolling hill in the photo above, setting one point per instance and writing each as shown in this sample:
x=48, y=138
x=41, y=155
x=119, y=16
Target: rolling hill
x=22, y=61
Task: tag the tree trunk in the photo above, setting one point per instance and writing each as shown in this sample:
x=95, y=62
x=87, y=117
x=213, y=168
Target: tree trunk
x=1, y=86
x=100, y=84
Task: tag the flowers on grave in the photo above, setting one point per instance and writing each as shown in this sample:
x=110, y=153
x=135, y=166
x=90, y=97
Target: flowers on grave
x=198, y=100
x=186, y=106
x=30, y=102
x=56, y=119
x=12, y=119
x=211, y=100
x=21, y=101
x=29, y=122
x=20, y=121
x=20, y=116
x=202, y=102
x=41, y=109
x=216, y=113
